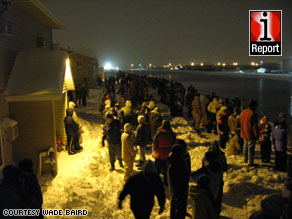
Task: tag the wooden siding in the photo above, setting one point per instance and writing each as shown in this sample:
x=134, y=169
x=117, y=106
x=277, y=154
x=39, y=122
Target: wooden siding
x=35, y=129
x=60, y=113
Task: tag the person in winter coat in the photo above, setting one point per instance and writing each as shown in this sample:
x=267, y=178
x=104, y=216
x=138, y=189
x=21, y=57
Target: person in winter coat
x=234, y=121
x=142, y=188
x=212, y=108
x=72, y=129
x=203, y=203
x=154, y=121
x=129, y=113
x=223, y=127
x=31, y=193
x=280, y=145
x=287, y=195
x=112, y=130
x=142, y=137
x=264, y=139
x=234, y=146
x=205, y=103
x=249, y=131
x=9, y=189
x=272, y=207
x=128, y=151
x=197, y=112
x=214, y=170
x=162, y=144
x=179, y=172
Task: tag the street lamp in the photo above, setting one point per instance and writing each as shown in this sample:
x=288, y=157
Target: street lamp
x=192, y=64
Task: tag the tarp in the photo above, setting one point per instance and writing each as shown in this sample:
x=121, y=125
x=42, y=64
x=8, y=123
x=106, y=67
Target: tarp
x=39, y=75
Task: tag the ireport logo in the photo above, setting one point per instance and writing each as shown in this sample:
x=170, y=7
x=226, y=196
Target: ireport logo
x=265, y=32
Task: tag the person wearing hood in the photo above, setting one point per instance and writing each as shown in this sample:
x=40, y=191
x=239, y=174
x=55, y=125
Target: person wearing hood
x=72, y=129
x=163, y=141
x=280, y=145
x=142, y=137
x=142, y=188
x=272, y=207
x=112, y=130
x=128, y=113
x=213, y=169
x=203, y=203
x=223, y=127
x=197, y=112
x=179, y=171
x=154, y=121
x=264, y=139
x=128, y=151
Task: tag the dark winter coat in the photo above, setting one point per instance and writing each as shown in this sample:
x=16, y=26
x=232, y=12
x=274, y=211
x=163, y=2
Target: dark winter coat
x=71, y=126
x=9, y=196
x=203, y=205
x=280, y=139
x=223, y=123
x=162, y=143
x=179, y=170
x=142, y=188
x=249, y=124
x=113, y=132
x=154, y=122
x=142, y=135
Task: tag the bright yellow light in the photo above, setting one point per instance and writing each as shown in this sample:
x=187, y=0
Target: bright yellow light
x=68, y=76
x=192, y=64
x=235, y=63
x=218, y=63
x=169, y=64
x=150, y=65
x=132, y=65
x=252, y=63
x=202, y=64
x=223, y=64
x=256, y=64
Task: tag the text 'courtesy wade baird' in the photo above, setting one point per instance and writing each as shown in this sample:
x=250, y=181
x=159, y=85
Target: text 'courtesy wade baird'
x=44, y=212
x=265, y=32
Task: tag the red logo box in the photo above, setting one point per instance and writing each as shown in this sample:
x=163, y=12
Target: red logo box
x=265, y=32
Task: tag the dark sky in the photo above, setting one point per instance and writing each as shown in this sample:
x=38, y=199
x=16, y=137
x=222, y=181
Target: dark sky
x=163, y=31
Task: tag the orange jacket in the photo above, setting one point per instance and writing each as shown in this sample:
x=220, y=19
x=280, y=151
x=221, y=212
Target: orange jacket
x=249, y=124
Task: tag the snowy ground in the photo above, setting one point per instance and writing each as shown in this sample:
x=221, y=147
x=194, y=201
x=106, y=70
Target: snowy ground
x=84, y=180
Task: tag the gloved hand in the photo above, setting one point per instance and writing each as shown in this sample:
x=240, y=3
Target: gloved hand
x=161, y=209
x=120, y=205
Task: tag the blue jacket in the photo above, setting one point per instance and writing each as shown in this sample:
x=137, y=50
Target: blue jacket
x=280, y=139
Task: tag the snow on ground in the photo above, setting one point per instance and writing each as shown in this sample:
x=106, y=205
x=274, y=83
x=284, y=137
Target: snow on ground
x=85, y=182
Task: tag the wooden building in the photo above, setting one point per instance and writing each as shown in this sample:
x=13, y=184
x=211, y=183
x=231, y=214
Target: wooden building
x=27, y=24
x=37, y=96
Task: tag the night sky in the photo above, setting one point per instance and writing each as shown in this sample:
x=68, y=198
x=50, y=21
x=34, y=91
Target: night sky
x=163, y=31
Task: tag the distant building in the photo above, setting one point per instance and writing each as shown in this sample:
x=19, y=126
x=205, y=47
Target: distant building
x=25, y=26
x=287, y=64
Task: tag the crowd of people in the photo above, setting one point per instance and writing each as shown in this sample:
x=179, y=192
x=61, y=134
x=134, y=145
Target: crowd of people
x=133, y=125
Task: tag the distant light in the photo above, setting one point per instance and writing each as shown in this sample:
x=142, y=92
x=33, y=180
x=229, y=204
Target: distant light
x=108, y=66
x=150, y=65
x=169, y=64
x=252, y=63
x=218, y=63
x=261, y=61
x=192, y=64
x=117, y=68
x=140, y=65
x=261, y=70
x=132, y=65
x=201, y=64
x=235, y=63
x=223, y=64
x=256, y=64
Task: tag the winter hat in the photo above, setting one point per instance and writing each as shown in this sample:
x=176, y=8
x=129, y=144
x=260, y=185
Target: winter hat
x=128, y=103
x=141, y=119
x=150, y=169
x=127, y=127
x=11, y=173
x=69, y=112
x=273, y=205
x=203, y=181
x=26, y=165
x=177, y=150
x=165, y=125
x=72, y=104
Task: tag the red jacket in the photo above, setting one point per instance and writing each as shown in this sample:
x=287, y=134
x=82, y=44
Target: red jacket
x=162, y=143
x=249, y=124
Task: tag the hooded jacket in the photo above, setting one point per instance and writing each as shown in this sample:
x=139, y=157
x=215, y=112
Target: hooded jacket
x=128, y=152
x=113, y=132
x=162, y=143
x=71, y=126
x=142, y=188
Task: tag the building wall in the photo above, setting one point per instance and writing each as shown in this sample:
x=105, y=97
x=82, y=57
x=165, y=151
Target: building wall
x=25, y=32
x=60, y=113
x=35, y=129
